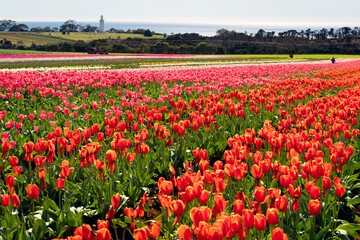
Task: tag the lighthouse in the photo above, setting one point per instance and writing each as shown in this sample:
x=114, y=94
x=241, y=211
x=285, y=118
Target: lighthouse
x=101, y=28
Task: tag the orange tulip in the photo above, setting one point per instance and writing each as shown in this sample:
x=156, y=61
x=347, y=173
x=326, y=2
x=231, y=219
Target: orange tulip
x=278, y=234
x=142, y=233
x=215, y=233
x=130, y=157
x=103, y=234
x=102, y=224
x=155, y=228
x=166, y=187
x=84, y=231
x=184, y=232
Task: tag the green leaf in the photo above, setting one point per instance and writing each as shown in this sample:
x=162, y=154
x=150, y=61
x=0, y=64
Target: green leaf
x=355, y=186
x=350, y=228
x=357, y=219
x=322, y=233
x=39, y=229
x=119, y=223
x=355, y=200
x=72, y=220
x=22, y=234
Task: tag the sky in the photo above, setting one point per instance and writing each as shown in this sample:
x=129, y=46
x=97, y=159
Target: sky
x=330, y=13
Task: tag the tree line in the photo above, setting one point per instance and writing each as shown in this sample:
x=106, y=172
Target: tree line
x=344, y=40
x=67, y=27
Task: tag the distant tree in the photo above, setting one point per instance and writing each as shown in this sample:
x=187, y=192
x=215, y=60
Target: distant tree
x=205, y=48
x=160, y=48
x=308, y=33
x=19, y=28
x=147, y=33
x=120, y=48
x=69, y=26
x=52, y=47
x=36, y=29
x=6, y=44
x=6, y=24
x=80, y=46
x=222, y=33
x=66, y=47
x=144, y=48
x=47, y=29
x=113, y=30
x=346, y=32
x=89, y=28
x=260, y=34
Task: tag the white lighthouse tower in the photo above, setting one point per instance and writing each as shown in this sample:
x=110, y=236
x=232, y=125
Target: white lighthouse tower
x=101, y=28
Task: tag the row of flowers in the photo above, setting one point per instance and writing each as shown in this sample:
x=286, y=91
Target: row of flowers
x=221, y=161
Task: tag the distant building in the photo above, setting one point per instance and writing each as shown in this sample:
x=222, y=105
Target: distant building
x=101, y=28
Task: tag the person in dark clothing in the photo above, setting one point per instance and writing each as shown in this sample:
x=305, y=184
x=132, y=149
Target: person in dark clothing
x=333, y=60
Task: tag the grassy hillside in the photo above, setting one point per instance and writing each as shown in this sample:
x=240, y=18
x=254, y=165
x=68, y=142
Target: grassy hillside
x=27, y=38
x=91, y=36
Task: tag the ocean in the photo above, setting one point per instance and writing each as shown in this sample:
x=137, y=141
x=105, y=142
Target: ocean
x=205, y=30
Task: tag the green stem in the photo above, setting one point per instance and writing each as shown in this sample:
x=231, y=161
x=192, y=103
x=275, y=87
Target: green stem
x=115, y=229
x=60, y=199
x=312, y=233
x=29, y=169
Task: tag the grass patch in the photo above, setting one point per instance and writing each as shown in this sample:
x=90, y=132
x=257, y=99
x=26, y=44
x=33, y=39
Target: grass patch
x=28, y=38
x=87, y=37
x=17, y=52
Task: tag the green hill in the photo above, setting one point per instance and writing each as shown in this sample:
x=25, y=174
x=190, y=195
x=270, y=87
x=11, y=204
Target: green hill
x=27, y=38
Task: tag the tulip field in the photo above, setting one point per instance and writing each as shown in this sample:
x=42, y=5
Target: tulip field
x=253, y=151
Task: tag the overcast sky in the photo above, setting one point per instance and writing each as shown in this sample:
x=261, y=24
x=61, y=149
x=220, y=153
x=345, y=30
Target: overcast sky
x=284, y=12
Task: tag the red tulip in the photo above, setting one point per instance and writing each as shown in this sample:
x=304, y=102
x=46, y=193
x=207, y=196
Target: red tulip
x=5, y=200
x=260, y=194
x=314, y=207
x=15, y=200
x=339, y=190
x=115, y=201
x=32, y=191
x=60, y=183
x=260, y=222
x=248, y=219
x=272, y=216
x=10, y=181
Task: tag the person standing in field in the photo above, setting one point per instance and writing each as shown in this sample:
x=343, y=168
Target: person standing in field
x=333, y=60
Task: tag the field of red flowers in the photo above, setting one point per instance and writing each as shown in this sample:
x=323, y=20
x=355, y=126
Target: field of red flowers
x=241, y=152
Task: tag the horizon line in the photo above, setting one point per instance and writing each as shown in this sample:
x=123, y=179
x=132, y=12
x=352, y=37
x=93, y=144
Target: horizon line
x=207, y=23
